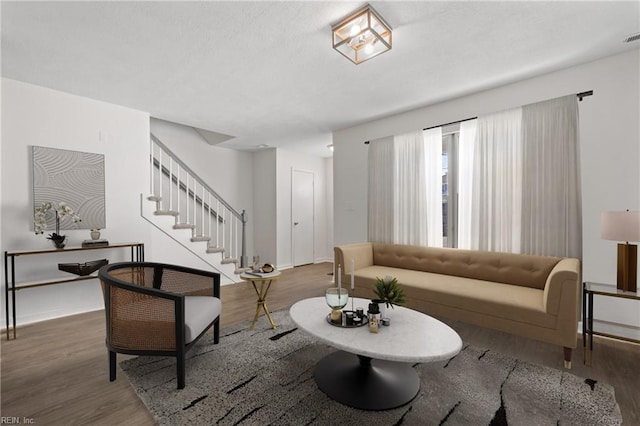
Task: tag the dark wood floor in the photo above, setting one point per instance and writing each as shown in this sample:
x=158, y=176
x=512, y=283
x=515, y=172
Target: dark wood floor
x=55, y=373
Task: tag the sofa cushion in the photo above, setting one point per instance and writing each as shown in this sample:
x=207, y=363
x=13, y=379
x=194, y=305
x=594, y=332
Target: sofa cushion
x=515, y=303
x=508, y=268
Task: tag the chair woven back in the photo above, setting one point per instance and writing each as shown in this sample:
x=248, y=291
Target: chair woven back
x=154, y=317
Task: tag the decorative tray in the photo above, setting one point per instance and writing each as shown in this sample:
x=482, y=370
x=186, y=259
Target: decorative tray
x=83, y=269
x=364, y=320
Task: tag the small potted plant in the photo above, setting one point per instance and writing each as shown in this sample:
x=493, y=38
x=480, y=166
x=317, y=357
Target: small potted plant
x=388, y=291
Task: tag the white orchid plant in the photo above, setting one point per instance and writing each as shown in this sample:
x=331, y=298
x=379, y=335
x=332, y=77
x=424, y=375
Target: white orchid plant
x=62, y=211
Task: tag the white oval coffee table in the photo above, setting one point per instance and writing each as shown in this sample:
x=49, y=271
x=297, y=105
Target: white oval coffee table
x=373, y=371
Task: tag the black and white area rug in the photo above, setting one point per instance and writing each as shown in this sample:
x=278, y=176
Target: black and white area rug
x=265, y=377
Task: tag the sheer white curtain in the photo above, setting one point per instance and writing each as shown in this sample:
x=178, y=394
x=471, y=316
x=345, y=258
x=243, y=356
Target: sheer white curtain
x=466, y=146
x=433, y=159
x=551, y=213
x=410, y=196
x=381, y=190
x=496, y=200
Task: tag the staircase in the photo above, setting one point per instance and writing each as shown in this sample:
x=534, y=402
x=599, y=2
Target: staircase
x=185, y=208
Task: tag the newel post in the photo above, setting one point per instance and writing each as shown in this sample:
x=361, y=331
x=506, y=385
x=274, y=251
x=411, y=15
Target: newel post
x=243, y=257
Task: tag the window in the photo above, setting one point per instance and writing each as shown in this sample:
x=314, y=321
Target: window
x=450, y=136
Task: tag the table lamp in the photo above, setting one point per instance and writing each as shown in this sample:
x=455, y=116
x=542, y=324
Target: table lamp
x=624, y=226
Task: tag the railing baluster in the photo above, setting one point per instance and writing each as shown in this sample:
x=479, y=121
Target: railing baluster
x=151, y=168
x=224, y=231
x=186, y=192
x=170, y=183
x=209, y=216
x=202, y=216
x=160, y=179
x=235, y=240
x=178, y=191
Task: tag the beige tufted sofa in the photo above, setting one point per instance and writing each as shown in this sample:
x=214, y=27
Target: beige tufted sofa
x=531, y=296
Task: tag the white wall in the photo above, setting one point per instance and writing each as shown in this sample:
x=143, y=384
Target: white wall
x=610, y=155
x=329, y=206
x=33, y=115
x=265, y=202
x=287, y=161
x=272, y=200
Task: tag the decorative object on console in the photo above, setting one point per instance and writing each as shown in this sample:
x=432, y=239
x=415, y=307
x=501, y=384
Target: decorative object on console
x=362, y=35
x=95, y=243
x=95, y=233
x=624, y=226
x=388, y=290
x=62, y=211
x=83, y=269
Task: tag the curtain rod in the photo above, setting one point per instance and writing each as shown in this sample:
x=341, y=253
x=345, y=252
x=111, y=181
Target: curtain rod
x=578, y=95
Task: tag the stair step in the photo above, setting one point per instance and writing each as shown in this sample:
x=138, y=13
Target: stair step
x=199, y=238
x=229, y=260
x=215, y=249
x=155, y=198
x=166, y=213
x=184, y=226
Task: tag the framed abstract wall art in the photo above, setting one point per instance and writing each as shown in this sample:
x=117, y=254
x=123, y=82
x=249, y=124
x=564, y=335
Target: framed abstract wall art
x=74, y=178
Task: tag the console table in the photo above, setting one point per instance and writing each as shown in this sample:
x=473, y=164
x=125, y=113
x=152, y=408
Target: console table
x=590, y=289
x=137, y=255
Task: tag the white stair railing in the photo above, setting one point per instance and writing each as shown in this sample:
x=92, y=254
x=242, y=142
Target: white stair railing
x=179, y=192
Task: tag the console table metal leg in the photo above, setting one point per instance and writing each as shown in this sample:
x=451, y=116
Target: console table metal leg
x=6, y=293
x=590, y=327
x=584, y=325
x=13, y=294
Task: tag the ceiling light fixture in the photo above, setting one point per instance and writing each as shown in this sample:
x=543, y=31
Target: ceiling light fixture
x=362, y=35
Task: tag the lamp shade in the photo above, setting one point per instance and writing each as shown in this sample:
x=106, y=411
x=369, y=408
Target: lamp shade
x=620, y=226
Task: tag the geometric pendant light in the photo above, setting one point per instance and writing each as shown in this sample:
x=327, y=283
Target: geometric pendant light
x=362, y=35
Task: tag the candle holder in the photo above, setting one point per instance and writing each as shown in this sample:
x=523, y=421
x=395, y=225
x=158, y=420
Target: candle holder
x=337, y=299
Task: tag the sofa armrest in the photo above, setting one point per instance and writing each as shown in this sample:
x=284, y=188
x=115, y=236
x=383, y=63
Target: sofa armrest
x=361, y=253
x=561, y=291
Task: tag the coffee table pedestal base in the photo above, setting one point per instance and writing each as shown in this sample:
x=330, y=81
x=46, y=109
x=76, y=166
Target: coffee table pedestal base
x=360, y=382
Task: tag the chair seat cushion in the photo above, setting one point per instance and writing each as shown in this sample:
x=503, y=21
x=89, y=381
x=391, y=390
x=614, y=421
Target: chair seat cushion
x=200, y=312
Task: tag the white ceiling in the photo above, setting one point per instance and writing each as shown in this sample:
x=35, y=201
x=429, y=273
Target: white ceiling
x=265, y=71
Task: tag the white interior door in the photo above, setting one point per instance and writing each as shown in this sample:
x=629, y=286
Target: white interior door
x=302, y=217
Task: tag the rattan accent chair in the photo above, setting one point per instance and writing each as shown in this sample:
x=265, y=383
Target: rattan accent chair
x=158, y=309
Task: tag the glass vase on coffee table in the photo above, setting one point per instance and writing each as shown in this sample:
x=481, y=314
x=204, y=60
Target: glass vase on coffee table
x=336, y=298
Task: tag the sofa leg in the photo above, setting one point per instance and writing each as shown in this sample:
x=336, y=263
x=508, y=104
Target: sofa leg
x=567, y=358
x=216, y=331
